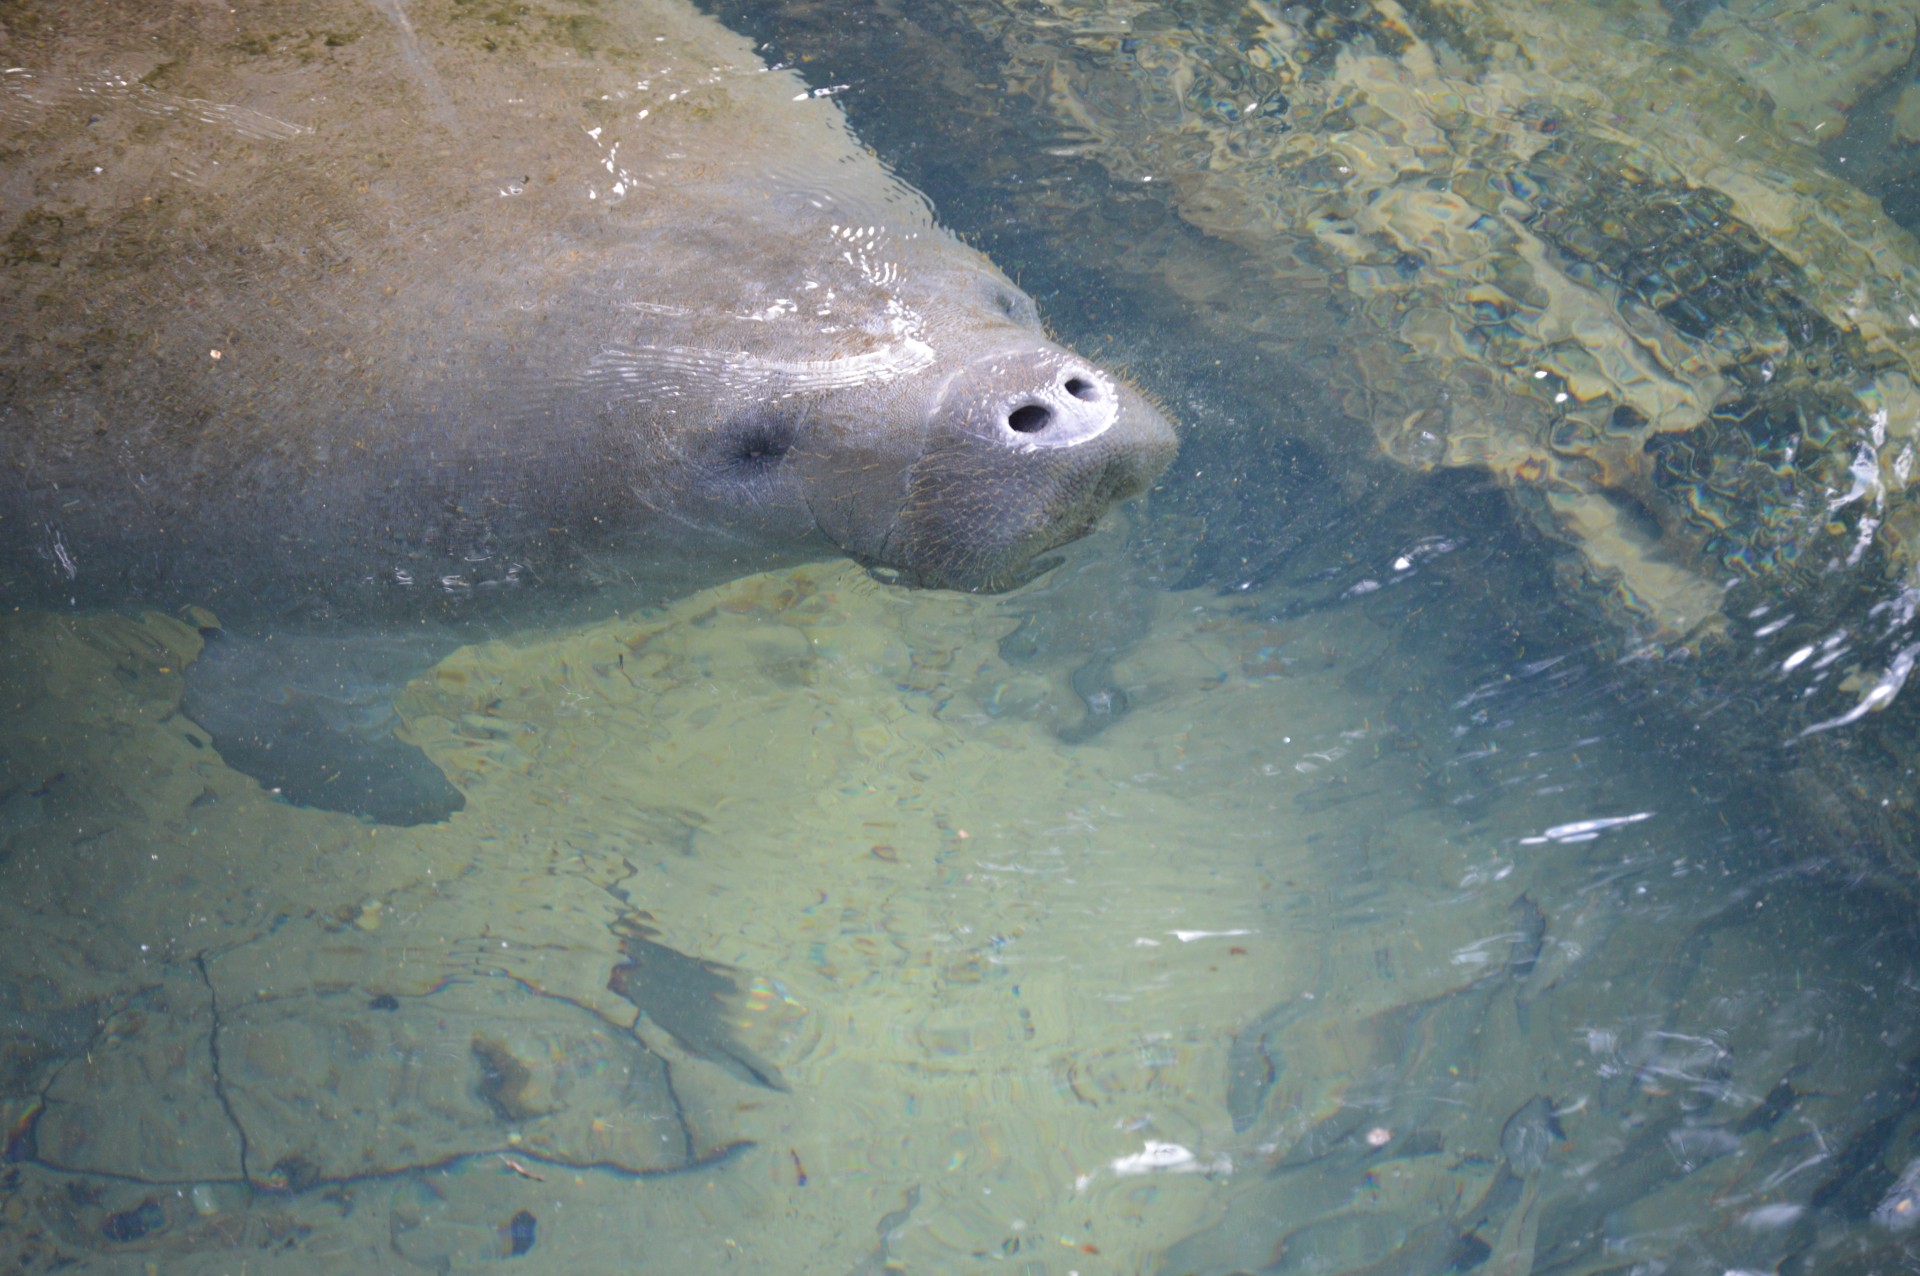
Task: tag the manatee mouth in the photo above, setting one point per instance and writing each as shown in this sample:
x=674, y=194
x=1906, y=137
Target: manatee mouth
x=974, y=546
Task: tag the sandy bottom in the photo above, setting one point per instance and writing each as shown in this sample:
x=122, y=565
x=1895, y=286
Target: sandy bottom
x=783, y=932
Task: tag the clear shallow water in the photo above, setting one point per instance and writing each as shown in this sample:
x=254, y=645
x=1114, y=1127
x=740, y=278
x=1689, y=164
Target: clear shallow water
x=1253, y=978
x=1309, y=886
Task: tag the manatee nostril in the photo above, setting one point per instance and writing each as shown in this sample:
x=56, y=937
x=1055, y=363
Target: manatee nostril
x=1029, y=418
x=1081, y=388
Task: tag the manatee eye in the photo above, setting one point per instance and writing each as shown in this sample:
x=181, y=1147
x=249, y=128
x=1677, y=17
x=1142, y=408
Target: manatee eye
x=1029, y=418
x=746, y=456
x=760, y=444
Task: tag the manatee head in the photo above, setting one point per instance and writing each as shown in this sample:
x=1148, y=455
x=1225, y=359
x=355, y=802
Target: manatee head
x=950, y=447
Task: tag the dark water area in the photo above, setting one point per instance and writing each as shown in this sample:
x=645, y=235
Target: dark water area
x=1344, y=861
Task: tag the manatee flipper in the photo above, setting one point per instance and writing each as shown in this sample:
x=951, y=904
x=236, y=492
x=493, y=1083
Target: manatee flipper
x=311, y=718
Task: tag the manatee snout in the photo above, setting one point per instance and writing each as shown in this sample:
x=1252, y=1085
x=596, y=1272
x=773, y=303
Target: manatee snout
x=1027, y=448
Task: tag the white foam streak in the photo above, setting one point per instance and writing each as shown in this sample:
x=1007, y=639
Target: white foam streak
x=1585, y=830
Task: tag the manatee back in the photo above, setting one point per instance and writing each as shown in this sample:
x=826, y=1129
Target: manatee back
x=353, y=301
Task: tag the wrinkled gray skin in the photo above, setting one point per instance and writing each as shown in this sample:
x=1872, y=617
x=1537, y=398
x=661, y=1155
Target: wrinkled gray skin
x=350, y=310
x=438, y=318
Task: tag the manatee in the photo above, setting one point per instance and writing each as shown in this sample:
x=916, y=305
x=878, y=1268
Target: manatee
x=439, y=317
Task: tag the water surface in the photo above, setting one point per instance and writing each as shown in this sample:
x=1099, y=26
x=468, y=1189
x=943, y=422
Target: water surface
x=1319, y=872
